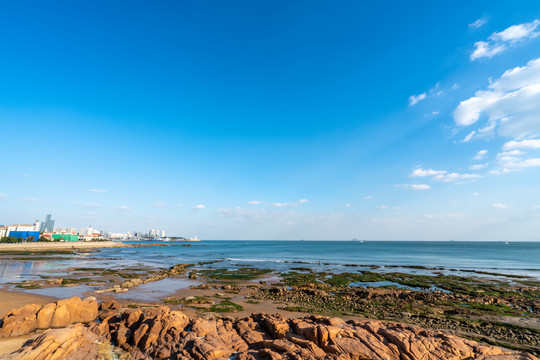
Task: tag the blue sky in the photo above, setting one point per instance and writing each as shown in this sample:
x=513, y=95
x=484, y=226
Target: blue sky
x=274, y=120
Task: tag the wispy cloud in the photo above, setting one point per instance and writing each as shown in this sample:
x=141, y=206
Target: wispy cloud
x=480, y=154
x=499, y=42
x=93, y=206
x=415, y=99
x=478, y=23
x=282, y=204
x=382, y=207
x=522, y=144
x=476, y=167
x=97, y=190
x=501, y=206
x=303, y=201
x=435, y=91
x=255, y=202
x=444, y=216
x=415, y=186
x=443, y=175
x=123, y=208
x=199, y=207
x=367, y=197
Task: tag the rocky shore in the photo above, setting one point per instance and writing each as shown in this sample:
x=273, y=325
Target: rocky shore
x=83, y=329
x=495, y=310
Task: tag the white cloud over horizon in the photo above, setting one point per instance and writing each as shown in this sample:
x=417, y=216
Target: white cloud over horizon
x=123, y=208
x=254, y=202
x=199, y=207
x=499, y=42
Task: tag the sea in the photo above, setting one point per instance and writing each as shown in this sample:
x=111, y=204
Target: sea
x=420, y=257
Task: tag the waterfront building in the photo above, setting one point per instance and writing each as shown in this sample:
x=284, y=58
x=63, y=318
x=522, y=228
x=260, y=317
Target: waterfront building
x=65, y=237
x=25, y=235
x=47, y=225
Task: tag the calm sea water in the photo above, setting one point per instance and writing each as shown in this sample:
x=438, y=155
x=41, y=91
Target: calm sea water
x=519, y=258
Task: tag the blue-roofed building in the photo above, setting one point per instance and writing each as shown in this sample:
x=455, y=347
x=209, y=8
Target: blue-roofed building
x=25, y=235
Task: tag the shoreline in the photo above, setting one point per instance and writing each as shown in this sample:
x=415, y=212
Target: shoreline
x=45, y=246
x=475, y=304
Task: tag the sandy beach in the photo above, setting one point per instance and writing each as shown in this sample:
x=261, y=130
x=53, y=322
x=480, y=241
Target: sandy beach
x=45, y=246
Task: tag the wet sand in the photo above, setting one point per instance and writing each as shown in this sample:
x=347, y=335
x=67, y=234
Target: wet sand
x=10, y=300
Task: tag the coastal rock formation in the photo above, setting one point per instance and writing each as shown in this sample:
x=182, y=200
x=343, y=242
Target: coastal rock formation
x=164, y=334
x=74, y=342
x=53, y=315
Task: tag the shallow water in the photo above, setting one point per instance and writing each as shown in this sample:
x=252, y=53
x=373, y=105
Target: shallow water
x=516, y=258
x=157, y=290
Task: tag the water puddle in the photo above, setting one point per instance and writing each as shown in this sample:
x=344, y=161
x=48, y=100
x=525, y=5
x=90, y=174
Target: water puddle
x=156, y=290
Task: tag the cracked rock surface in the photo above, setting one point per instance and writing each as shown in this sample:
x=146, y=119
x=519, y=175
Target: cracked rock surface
x=164, y=334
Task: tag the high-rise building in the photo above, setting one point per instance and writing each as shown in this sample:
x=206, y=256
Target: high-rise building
x=47, y=225
x=162, y=233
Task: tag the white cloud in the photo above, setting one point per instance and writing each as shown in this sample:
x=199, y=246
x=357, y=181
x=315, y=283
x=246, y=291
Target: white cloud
x=499, y=42
x=517, y=33
x=513, y=161
x=415, y=99
x=348, y=205
x=476, y=193
x=511, y=104
x=367, y=197
x=419, y=172
x=443, y=216
x=255, y=202
x=96, y=190
x=382, y=207
x=478, y=23
x=94, y=206
x=484, y=49
x=478, y=166
x=522, y=144
x=303, y=201
x=415, y=186
x=123, y=208
x=453, y=176
x=279, y=204
x=443, y=175
x=199, y=207
x=3, y=196
x=501, y=206
x=480, y=154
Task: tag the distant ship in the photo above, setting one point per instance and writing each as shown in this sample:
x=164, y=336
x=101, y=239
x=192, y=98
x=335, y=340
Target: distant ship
x=506, y=242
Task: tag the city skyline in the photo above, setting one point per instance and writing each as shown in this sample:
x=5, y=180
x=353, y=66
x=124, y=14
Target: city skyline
x=303, y=120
